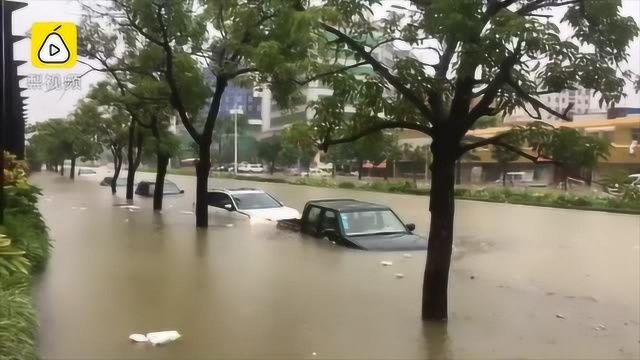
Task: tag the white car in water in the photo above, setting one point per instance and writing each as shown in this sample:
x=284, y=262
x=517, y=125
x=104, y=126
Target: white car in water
x=251, y=203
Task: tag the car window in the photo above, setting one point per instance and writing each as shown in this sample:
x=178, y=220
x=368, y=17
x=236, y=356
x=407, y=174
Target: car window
x=254, y=201
x=371, y=222
x=170, y=187
x=219, y=200
x=329, y=221
x=311, y=224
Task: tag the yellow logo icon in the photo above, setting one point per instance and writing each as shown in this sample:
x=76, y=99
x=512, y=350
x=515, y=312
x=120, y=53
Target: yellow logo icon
x=54, y=44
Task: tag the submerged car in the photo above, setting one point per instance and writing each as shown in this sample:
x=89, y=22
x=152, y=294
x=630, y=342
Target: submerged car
x=356, y=224
x=108, y=180
x=86, y=172
x=147, y=188
x=248, y=202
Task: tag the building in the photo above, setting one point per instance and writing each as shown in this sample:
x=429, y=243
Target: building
x=235, y=97
x=581, y=99
x=623, y=134
x=275, y=119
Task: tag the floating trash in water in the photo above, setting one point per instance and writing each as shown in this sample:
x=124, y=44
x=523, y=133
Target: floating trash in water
x=560, y=316
x=313, y=354
x=156, y=338
x=138, y=338
x=163, y=337
x=386, y=263
x=472, y=277
x=600, y=327
x=126, y=220
x=407, y=255
x=184, y=212
x=130, y=207
x=399, y=275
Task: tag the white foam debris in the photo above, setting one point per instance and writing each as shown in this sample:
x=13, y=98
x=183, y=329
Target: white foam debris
x=386, y=263
x=138, y=338
x=399, y=275
x=407, y=255
x=185, y=212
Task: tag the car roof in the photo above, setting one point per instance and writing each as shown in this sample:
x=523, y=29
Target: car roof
x=238, y=191
x=347, y=204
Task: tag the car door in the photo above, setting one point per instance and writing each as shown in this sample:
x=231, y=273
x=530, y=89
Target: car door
x=329, y=221
x=311, y=220
x=220, y=204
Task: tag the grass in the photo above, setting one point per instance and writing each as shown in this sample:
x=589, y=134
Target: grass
x=17, y=319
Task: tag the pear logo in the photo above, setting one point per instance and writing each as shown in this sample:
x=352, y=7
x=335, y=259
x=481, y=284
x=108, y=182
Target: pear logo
x=53, y=49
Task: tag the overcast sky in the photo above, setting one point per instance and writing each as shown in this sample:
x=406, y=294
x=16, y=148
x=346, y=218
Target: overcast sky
x=43, y=105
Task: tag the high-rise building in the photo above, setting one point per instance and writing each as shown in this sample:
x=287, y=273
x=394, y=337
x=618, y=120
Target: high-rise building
x=235, y=97
x=15, y=108
x=581, y=99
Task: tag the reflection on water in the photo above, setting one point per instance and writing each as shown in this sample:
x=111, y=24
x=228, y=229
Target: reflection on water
x=240, y=290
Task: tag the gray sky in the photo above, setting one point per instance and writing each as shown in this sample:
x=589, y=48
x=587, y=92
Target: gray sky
x=43, y=105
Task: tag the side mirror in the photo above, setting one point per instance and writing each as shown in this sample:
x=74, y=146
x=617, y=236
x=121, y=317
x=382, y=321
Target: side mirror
x=411, y=227
x=330, y=234
x=228, y=207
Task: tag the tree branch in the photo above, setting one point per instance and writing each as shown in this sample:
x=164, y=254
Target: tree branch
x=324, y=146
x=329, y=73
x=382, y=70
x=537, y=104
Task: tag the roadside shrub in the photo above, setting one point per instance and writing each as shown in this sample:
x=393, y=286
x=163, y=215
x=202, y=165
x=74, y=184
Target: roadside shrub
x=28, y=233
x=347, y=185
x=17, y=319
x=11, y=259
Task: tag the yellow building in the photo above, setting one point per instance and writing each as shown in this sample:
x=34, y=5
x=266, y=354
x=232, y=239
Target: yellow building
x=623, y=133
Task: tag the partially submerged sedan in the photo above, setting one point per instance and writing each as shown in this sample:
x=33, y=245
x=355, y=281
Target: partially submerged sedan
x=108, y=180
x=147, y=188
x=249, y=203
x=356, y=224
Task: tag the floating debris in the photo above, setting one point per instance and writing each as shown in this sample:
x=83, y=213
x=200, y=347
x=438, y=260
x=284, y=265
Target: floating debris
x=600, y=327
x=130, y=207
x=472, y=277
x=407, y=255
x=313, y=354
x=138, y=338
x=156, y=338
x=386, y=263
x=399, y=275
x=560, y=316
x=184, y=212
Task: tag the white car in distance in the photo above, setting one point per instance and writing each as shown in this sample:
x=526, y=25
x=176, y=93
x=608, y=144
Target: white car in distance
x=251, y=203
x=314, y=172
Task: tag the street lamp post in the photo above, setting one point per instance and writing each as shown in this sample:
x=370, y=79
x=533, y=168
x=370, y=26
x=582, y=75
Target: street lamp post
x=235, y=113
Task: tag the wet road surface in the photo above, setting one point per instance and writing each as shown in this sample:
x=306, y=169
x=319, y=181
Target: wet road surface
x=241, y=291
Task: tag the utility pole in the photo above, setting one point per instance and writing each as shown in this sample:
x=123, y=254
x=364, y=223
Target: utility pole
x=235, y=113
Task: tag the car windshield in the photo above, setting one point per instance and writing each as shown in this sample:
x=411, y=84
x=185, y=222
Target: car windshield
x=371, y=222
x=253, y=201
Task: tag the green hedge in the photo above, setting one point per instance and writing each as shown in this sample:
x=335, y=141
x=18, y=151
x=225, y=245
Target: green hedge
x=28, y=232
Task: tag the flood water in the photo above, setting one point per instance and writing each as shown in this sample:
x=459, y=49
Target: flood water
x=251, y=291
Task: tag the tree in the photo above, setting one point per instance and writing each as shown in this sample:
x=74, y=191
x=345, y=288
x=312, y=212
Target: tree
x=415, y=154
x=297, y=146
x=236, y=39
x=486, y=57
x=139, y=73
x=269, y=150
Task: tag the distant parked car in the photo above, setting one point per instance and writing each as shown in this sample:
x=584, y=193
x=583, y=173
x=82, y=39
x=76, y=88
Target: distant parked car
x=146, y=188
x=107, y=181
x=314, y=172
x=86, y=172
x=252, y=203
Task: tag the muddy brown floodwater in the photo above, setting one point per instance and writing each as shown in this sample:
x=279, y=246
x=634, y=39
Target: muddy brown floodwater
x=243, y=291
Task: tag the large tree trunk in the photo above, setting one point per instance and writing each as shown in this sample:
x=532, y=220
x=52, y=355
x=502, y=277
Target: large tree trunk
x=131, y=173
x=72, y=171
x=504, y=175
x=62, y=168
x=117, y=158
x=202, y=183
x=272, y=167
x=414, y=173
x=360, y=167
x=161, y=172
x=442, y=207
x=458, y=172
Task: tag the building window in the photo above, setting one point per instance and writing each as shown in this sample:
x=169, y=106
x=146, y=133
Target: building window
x=258, y=108
x=572, y=93
x=564, y=100
x=548, y=98
x=557, y=100
x=579, y=102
